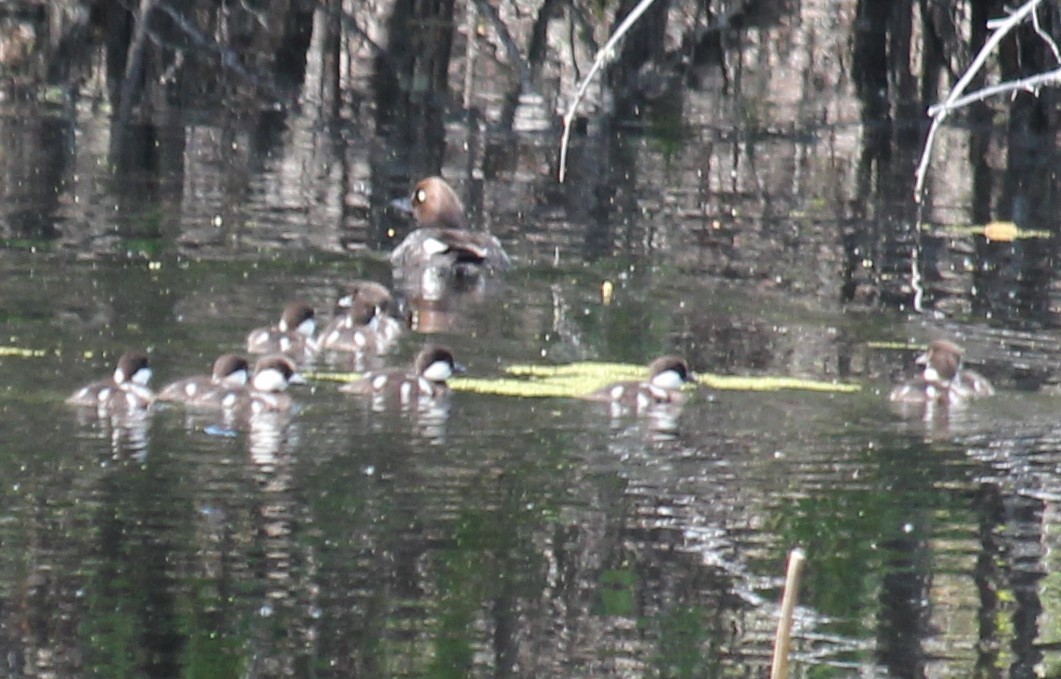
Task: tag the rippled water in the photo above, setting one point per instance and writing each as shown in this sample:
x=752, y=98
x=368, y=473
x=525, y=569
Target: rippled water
x=518, y=536
x=755, y=226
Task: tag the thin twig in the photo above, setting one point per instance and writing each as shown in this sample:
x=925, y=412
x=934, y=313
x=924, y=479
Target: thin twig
x=1045, y=36
x=1030, y=84
x=783, y=638
x=230, y=60
x=1001, y=28
x=602, y=55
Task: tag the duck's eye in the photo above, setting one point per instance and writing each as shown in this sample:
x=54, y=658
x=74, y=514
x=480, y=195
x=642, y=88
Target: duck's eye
x=420, y=196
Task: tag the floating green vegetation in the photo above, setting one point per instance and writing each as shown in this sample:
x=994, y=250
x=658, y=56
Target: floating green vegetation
x=331, y=376
x=524, y=388
x=740, y=383
x=22, y=352
x=592, y=376
x=578, y=379
x=609, y=371
x=896, y=346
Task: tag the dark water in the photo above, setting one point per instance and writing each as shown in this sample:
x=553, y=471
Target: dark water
x=759, y=224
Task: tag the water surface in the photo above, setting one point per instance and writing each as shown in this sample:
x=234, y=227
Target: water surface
x=758, y=222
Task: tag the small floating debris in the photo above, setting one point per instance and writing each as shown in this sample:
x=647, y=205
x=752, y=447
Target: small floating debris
x=22, y=352
x=222, y=432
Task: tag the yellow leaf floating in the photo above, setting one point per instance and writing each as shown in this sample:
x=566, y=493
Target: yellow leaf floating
x=997, y=231
x=607, y=291
x=1004, y=232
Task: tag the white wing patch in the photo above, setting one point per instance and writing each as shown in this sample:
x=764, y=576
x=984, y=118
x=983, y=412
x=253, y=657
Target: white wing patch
x=433, y=246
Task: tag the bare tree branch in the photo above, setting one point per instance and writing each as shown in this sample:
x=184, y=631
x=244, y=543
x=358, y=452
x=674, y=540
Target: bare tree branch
x=1001, y=28
x=1045, y=36
x=1030, y=84
x=602, y=56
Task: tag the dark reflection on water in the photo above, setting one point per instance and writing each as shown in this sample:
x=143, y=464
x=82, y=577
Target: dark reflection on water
x=527, y=537
x=749, y=205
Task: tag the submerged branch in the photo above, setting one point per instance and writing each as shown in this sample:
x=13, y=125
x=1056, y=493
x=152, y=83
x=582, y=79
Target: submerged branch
x=134, y=62
x=511, y=48
x=229, y=59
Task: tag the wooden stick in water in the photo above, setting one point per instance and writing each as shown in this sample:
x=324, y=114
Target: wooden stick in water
x=783, y=638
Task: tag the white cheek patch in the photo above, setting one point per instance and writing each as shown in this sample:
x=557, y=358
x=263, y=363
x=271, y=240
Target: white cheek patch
x=433, y=246
x=345, y=301
x=238, y=378
x=439, y=371
x=142, y=376
x=378, y=382
x=270, y=380
x=931, y=374
x=668, y=379
x=307, y=327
